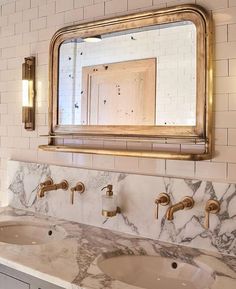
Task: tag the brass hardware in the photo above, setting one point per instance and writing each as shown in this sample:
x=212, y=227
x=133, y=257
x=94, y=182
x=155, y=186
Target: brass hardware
x=163, y=199
x=186, y=203
x=28, y=93
x=212, y=207
x=48, y=182
x=109, y=214
x=130, y=153
x=109, y=191
x=203, y=129
x=62, y=185
x=79, y=187
x=188, y=139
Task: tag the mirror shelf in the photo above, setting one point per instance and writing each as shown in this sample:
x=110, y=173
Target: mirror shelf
x=87, y=104
x=129, y=153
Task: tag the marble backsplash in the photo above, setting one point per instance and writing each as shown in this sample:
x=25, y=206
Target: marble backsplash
x=136, y=196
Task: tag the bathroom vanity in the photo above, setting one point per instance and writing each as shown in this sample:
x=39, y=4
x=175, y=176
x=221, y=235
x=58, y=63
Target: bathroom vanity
x=13, y=279
x=80, y=248
x=118, y=87
x=91, y=257
x=127, y=97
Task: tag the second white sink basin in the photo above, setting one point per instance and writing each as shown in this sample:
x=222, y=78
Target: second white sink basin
x=156, y=272
x=29, y=233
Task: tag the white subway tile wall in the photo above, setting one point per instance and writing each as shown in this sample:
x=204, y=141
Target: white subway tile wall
x=26, y=29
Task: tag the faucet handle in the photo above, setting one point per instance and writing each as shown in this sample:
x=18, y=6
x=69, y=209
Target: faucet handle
x=213, y=207
x=48, y=182
x=163, y=199
x=79, y=187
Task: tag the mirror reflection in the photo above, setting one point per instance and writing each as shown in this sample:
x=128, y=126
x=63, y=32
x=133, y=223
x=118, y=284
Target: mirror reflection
x=142, y=76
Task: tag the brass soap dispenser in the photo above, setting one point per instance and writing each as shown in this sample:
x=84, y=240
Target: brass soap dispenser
x=109, y=203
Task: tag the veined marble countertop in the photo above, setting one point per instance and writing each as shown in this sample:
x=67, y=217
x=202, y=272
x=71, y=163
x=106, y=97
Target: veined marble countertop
x=72, y=263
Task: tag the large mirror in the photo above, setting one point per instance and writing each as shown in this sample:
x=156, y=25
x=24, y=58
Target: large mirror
x=145, y=75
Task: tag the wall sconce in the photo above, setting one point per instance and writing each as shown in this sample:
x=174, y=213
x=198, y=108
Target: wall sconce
x=28, y=93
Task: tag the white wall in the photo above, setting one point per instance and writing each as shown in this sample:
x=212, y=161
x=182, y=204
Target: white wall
x=26, y=29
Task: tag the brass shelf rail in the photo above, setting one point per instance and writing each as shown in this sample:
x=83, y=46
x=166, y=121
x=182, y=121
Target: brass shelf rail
x=129, y=153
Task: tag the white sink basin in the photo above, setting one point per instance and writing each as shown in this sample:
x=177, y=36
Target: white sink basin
x=29, y=233
x=156, y=272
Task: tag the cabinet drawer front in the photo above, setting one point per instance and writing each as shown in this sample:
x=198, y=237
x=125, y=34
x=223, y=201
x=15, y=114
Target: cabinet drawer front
x=8, y=282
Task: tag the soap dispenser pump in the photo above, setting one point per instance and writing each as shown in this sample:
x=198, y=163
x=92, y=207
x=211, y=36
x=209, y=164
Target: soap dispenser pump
x=109, y=203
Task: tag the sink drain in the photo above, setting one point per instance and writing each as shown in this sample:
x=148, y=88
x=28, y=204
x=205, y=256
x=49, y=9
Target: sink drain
x=50, y=232
x=174, y=265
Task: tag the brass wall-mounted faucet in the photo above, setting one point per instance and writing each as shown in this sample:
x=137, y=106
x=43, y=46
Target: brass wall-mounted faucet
x=186, y=203
x=212, y=207
x=49, y=181
x=79, y=187
x=46, y=187
x=163, y=199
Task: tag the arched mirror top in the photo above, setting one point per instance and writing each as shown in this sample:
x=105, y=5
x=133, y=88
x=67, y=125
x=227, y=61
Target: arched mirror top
x=145, y=76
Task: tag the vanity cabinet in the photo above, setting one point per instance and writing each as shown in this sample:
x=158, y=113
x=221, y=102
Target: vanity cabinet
x=8, y=282
x=13, y=279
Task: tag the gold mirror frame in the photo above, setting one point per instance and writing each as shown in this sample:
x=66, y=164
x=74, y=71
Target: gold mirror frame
x=200, y=132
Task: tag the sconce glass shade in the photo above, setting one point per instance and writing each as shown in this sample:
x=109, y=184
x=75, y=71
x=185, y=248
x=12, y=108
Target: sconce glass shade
x=27, y=88
x=28, y=93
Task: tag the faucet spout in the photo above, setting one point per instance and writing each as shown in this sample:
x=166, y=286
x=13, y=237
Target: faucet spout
x=46, y=188
x=186, y=203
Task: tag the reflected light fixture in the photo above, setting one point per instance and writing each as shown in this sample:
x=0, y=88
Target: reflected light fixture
x=28, y=93
x=93, y=39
